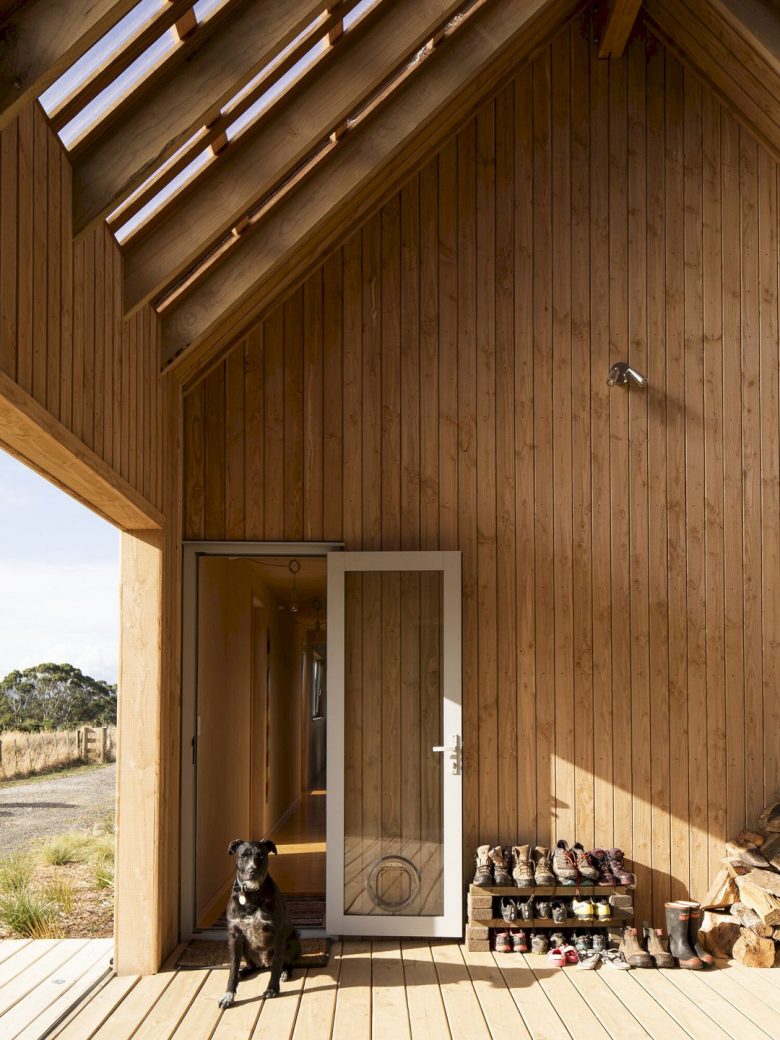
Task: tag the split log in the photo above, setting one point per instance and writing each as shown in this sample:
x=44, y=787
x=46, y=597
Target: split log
x=722, y=892
x=749, y=919
x=760, y=889
x=751, y=837
x=771, y=849
x=736, y=870
x=718, y=933
x=769, y=820
x=752, y=951
x=745, y=852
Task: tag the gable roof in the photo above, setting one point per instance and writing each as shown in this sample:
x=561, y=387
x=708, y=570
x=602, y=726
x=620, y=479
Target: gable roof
x=229, y=143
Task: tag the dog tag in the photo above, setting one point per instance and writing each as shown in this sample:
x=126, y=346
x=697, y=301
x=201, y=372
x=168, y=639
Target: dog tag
x=242, y=899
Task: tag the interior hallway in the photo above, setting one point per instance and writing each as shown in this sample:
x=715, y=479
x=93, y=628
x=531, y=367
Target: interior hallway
x=299, y=867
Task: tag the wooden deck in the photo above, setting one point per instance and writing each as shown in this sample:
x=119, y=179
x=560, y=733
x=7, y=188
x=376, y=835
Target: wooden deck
x=40, y=980
x=417, y=989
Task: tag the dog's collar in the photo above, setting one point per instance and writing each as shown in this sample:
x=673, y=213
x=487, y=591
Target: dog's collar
x=240, y=891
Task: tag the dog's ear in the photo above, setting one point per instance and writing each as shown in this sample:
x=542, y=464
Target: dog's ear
x=234, y=845
x=268, y=844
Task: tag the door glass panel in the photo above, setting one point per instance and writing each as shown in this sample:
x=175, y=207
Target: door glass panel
x=393, y=821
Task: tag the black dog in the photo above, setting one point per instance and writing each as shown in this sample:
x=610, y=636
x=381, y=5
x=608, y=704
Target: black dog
x=259, y=929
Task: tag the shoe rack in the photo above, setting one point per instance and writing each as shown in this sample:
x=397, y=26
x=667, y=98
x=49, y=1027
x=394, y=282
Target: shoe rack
x=480, y=911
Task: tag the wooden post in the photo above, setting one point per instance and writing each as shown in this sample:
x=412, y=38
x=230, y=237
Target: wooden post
x=103, y=743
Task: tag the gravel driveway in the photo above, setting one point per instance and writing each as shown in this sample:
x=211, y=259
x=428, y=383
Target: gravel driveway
x=36, y=810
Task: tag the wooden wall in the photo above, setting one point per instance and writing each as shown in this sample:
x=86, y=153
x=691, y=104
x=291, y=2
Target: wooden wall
x=62, y=337
x=440, y=383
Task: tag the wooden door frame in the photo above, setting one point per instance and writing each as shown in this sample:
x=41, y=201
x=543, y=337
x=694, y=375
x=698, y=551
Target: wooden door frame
x=191, y=554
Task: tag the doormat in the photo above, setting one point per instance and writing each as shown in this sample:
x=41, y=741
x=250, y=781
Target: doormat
x=305, y=911
x=213, y=953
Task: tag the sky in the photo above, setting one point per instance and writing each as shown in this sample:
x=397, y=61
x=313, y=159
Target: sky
x=59, y=578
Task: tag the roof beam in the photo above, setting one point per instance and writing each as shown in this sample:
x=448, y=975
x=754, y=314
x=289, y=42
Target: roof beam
x=620, y=21
x=115, y=160
x=41, y=39
x=371, y=161
x=263, y=157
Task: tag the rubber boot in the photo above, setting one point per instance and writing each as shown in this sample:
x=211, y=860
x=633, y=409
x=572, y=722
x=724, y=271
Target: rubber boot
x=677, y=925
x=522, y=871
x=483, y=876
x=694, y=924
x=500, y=859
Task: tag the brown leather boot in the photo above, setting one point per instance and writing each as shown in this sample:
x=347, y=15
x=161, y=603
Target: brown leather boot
x=633, y=951
x=543, y=874
x=677, y=923
x=483, y=876
x=522, y=871
x=657, y=946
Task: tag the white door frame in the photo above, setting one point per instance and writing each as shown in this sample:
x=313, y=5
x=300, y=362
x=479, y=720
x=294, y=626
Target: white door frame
x=191, y=553
x=450, y=923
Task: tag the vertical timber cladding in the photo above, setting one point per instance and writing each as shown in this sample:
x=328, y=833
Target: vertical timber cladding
x=439, y=383
x=62, y=335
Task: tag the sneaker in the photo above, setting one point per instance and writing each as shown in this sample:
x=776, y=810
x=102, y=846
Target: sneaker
x=509, y=910
x=603, y=909
x=483, y=875
x=598, y=941
x=571, y=954
x=499, y=856
x=503, y=944
x=584, y=909
x=564, y=863
x=559, y=911
x=558, y=939
x=556, y=957
x=615, y=959
x=527, y=909
x=543, y=872
x=589, y=961
x=582, y=941
x=522, y=871
x=519, y=940
x=539, y=943
x=542, y=911
x=588, y=871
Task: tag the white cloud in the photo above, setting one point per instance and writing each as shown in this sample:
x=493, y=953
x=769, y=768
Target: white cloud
x=60, y=612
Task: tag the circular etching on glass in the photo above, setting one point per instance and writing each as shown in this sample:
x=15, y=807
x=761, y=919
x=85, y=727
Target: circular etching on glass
x=396, y=865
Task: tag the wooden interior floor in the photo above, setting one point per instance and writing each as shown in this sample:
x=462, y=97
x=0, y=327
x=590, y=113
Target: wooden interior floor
x=438, y=990
x=41, y=979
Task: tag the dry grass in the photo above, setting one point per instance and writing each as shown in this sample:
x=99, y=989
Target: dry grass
x=26, y=754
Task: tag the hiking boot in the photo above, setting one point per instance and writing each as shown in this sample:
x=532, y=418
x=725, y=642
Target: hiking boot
x=503, y=943
x=522, y=871
x=617, y=866
x=677, y=924
x=483, y=876
x=499, y=856
x=559, y=911
x=605, y=875
x=694, y=924
x=519, y=940
x=509, y=910
x=543, y=873
x=657, y=946
x=539, y=943
x=564, y=863
x=588, y=870
x=633, y=951
x=527, y=909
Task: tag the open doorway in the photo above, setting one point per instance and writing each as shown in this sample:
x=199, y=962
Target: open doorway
x=256, y=694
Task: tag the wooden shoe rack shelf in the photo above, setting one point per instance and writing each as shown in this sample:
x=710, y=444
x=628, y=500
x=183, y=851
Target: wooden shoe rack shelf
x=480, y=917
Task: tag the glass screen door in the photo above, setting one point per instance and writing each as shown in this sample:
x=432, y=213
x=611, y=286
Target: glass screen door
x=394, y=828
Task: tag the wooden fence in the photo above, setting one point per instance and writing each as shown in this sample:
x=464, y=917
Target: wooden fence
x=25, y=754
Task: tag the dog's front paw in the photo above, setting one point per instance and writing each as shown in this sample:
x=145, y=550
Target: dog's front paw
x=227, y=1000
x=271, y=993
x=286, y=974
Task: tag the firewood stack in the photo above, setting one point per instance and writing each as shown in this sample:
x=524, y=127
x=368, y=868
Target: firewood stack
x=742, y=908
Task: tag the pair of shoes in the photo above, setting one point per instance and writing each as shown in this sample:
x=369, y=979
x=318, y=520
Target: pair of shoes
x=633, y=951
x=560, y=955
x=682, y=923
x=574, y=865
x=513, y=941
x=587, y=909
x=492, y=867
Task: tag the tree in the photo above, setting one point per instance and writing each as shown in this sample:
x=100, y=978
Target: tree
x=55, y=696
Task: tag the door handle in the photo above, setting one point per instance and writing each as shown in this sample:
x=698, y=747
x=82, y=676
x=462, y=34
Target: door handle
x=453, y=750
